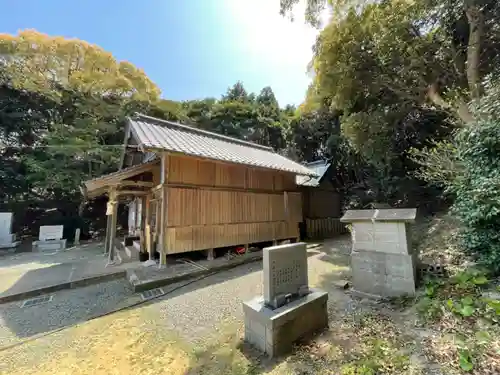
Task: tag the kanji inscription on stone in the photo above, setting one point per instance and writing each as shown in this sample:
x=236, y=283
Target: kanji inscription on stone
x=285, y=273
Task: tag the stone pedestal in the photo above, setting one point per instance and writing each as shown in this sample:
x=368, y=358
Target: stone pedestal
x=50, y=239
x=289, y=310
x=275, y=331
x=382, y=260
x=49, y=245
x=7, y=239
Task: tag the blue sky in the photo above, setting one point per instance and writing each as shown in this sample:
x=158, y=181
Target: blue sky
x=190, y=48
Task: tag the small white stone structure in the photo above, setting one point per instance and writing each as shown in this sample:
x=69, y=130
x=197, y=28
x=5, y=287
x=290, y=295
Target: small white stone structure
x=7, y=239
x=50, y=239
x=382, y=260
x=289, y=309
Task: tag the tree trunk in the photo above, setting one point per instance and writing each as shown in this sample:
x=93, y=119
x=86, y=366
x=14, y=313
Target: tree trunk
x=476, y=29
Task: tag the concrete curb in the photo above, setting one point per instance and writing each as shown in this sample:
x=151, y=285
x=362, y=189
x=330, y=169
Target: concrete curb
x=141, y=286
x=67, y=285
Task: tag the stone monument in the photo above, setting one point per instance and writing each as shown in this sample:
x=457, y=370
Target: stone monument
x=7, y=239
x=50, y=238
x=382, y=260
x=289, y=309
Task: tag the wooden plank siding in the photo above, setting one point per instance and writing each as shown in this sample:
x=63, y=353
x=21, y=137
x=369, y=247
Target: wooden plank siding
x=183, y=170
x=214, y=204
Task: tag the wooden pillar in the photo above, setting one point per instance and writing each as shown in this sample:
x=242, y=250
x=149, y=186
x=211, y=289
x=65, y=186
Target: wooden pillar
x=147, y=227
x=108, y=229
x=163, y=211
x=113, y=202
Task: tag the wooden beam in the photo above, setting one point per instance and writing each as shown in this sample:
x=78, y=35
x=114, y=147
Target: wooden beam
x=131, y=192
x=135, y=184
x=227, y=188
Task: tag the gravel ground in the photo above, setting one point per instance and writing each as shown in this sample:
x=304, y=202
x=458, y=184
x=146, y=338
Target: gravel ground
x=66, y=308
x=202, y=309
x=190, y=316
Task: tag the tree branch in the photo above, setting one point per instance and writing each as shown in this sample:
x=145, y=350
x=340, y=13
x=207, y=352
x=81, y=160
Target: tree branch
x=461, y=108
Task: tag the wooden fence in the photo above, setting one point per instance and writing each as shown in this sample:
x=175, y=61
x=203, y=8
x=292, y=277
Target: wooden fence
x=324, y=227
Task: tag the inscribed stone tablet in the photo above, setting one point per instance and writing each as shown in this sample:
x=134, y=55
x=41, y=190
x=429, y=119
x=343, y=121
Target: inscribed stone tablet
x=5, y=223
x=51, y=232
x=285, y=272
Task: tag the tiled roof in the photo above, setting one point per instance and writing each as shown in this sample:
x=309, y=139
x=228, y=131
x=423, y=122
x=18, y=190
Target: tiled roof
x=155, y=134
x=320, y=167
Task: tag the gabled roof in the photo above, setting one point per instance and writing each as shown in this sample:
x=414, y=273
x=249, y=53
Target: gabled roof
x=153, y=134
x=320, y=167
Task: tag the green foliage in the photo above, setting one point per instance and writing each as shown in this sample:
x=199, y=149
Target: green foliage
x=461, y=296
x=477, y=191
x=399, y=71
x=239, y=114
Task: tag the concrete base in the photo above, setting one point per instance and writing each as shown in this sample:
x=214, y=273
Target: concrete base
x=52, y=245
x=8, y=241
x=382, y=274
x=275, y=331
x=10, y=245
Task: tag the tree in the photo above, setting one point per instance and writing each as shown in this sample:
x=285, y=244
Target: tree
x=266, y=98
x=236, y=93
x=62, y=106
x=433, y=51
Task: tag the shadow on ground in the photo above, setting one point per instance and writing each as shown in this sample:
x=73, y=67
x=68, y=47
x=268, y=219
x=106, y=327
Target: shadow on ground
x=72, y=306
x=232, y=355
x=229, y=356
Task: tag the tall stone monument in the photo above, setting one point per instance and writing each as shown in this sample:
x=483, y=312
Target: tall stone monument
x=7, y=239
x=289, y=309
x=382, y=260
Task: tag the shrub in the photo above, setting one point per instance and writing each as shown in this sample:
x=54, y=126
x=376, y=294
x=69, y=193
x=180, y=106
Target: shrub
x=477, y=191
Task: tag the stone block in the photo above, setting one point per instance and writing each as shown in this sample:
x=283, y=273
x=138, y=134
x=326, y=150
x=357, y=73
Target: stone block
x=5, y=223
x=54, y=245
x=397, y=214
x=7, y=239
x=385, y=237
x=50, y=232
x=382, y=274
x=357, y=215
x=285, y=273
x=381, y=214
x=274, y=331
